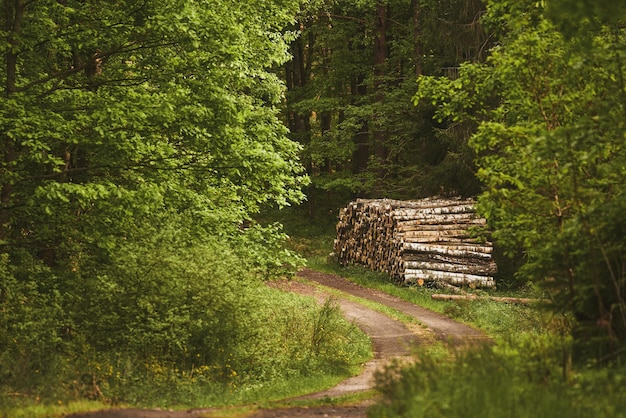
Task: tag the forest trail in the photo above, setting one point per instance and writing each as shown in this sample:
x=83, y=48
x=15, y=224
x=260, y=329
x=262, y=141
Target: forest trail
x=392, y=340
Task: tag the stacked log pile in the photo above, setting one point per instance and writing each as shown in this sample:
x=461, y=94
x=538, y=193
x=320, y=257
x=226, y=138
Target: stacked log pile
x=428, y=240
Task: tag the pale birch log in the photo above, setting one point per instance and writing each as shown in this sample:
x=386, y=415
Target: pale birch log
x=438, y=219
x=429, y=257
x=411, y=226
x=442, y=223
x=452, y=232
x=413, y=204
x=443, y=275
x=459, y=279
x=384, y=234
x=484, y=269
x=441, y=210
x=471, y=251
x=438, y=296
x=442, y=240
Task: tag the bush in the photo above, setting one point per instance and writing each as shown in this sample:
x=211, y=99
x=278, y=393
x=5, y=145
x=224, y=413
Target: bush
x=505, y=381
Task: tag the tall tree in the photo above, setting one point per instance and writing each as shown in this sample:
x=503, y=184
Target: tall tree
x=137, y=138
x=549, y=106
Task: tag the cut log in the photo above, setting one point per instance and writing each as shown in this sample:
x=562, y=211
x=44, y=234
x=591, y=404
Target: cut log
x=418, y=233
x=427, y=257
x=448, y=277
x=467, y=251
x=442, y=210
x=414, y=204
x=438, y=296
x=441, y=223
x=443, y=239
x=468, y=268
x=443, y=218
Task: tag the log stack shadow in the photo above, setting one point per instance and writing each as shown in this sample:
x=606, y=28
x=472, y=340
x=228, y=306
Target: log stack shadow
x=417, y=241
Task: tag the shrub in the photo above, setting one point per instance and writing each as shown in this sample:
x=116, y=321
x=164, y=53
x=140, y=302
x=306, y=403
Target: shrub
x=504, y=381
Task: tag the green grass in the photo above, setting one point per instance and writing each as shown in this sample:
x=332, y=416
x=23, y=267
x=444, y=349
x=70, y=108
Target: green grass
x=448, y=384
x=499, y=382
x=242, y=411
x=29, y=408
x=269, y=394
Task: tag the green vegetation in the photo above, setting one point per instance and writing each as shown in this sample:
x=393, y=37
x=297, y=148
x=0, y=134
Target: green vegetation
x=350, y=85
x=548, y=106
x=246, y=410
x=538, y=120
x=499, y=382
x=528, y=372
x=315, y=240
x=519, y=103
x=274, y=345
x=146, y=149
x=137, y=140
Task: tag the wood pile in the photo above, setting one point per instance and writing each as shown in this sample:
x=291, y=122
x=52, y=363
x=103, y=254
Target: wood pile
x=428, y=240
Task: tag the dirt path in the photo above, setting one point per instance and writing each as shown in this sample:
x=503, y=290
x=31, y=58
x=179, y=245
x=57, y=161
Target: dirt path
x=391, y=340
x=444, y=328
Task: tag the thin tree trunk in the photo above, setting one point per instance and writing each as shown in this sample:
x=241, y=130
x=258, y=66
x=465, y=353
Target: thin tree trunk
x=361, y=153
x=380, y=59
x=417, y=42
x=14, y=13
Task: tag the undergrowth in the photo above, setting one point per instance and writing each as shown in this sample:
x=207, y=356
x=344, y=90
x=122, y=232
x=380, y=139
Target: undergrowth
x=171, y=330
x=498, y=382
x=296, y=347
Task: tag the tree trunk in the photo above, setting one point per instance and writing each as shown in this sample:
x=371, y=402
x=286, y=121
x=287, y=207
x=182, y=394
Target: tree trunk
x=417, y=34
x=380, y=59
x=14, y=13
x=297, y=74
x=361, y=153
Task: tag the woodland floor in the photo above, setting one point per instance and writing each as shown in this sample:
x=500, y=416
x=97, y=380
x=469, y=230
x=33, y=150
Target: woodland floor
x=391, y=340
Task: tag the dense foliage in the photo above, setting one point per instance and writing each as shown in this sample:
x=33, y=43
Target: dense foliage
x=137, y=140
x=496, y=382
x=350, y=86
x=549, y=105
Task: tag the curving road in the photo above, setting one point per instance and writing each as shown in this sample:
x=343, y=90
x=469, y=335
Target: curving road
x=391, y=340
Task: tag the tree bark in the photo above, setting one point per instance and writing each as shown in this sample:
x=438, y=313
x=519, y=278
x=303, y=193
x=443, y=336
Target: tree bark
x=14, y=13
x=361, y=154
x=437, y=247
x=380, y=59
x=467, y=268
x=417, y=37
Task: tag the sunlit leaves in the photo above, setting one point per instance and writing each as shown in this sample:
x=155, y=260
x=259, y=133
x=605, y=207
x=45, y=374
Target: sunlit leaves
x=122, y=120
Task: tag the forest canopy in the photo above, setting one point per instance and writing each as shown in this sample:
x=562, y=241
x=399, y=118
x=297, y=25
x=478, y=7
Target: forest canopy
x=519, y=103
